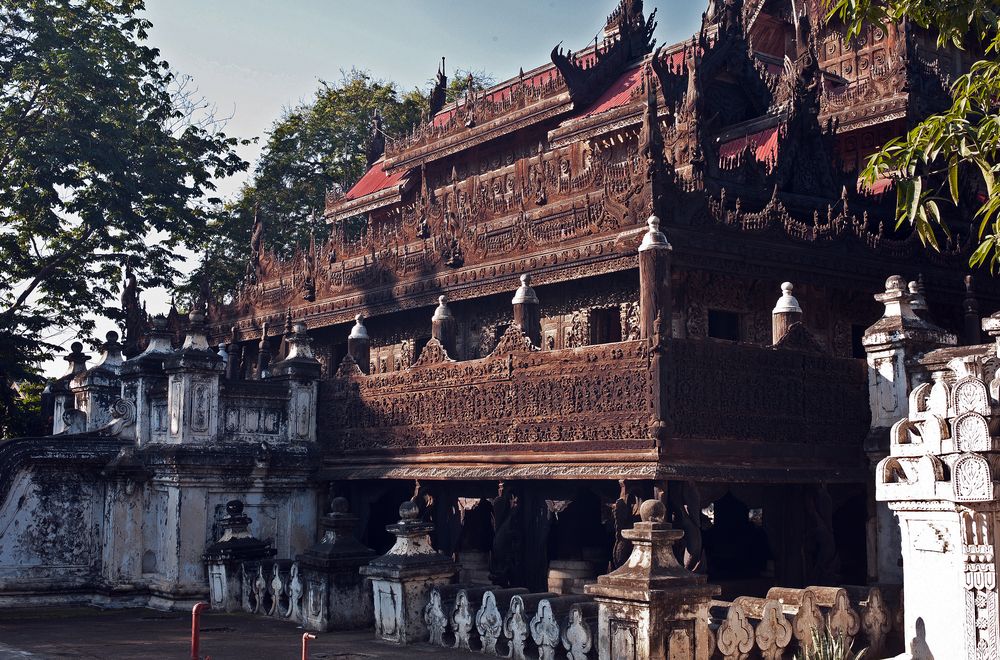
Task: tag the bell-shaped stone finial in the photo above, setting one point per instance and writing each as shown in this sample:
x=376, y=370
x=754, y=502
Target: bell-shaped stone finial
x=442, y=312
x=654, y=237
x=359, y=331
x=524, y=293
x=787, y=303
x=76, y=360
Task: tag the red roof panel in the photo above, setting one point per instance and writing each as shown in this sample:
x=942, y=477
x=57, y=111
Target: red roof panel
x=763, y=143
x=374, y=180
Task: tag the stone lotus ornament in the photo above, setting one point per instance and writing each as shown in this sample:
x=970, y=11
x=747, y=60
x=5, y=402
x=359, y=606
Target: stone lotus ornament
x=545, y=631
x=735, y=635
x=576, y=637
x=462, y=621
x=489, y=623
x=435, y=619
x=774, y=632
x=515, y=628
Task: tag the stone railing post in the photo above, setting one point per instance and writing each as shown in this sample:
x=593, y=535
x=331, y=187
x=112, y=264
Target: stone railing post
x=655, y=304
x=97, y=388
x=225, y=557
x=652, y=608
x=300, y=370
x=443, y=326
x=940, y=479
x=193, y=375
x=786, y=312
x=527, y=311
x=143, y=374
x=359, y=345
x=894, y=339
x=334, y=588
x=402, y=578
x=62, y=394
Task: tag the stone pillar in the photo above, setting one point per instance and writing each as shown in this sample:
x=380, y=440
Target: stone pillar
x=402, y=578
x=193, y=375
x=527, y=311
x=655, y=305
x=970, y=308
x=443, y=326
x=301, y=371
x=335, y=597
x=62, y=394
x=652, y=608
x=894, y=339
x=224, y=557
x=358, y=344
x=141, y=376
x=941, y=481
x=786, y=312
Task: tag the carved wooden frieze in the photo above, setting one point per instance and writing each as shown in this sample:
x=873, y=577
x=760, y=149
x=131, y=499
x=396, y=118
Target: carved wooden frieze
x=517, y=395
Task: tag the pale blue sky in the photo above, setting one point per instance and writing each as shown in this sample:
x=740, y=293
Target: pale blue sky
x=256, y=57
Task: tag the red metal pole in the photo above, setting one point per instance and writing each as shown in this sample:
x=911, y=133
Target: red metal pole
x=305, y=644
x=196, y=629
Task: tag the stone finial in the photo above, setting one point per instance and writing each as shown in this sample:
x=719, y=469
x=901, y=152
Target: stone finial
x=652, y=511
x=299, y=343
x=896, y=298
x=159, y=337
x=917, y=301
x=525, y=294
x=787, y=303
x=359, y=331
x=442, y=312
x=196, y=339
x=77, y=360
x=223, y=353
x=111, y=352
x=654, y=237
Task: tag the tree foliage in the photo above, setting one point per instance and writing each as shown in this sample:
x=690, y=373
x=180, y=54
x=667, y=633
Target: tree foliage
x=465, y=79
x=314, y=147
x=99, y=166
x=929, y=162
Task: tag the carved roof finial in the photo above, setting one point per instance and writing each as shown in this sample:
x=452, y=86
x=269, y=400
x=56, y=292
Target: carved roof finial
x=787, y=303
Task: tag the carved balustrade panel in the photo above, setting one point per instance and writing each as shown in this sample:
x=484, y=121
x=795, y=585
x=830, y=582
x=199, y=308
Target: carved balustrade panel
x=254, y=411
x=721, y=390
x=595, y=394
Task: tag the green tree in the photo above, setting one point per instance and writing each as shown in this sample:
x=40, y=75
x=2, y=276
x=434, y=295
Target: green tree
x=928, y=162
x=100, y=164
x=465, y=79
x=312, y=148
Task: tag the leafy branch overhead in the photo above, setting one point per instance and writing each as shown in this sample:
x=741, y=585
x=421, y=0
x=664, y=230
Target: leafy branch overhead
x=101, y=165
x=931, y=163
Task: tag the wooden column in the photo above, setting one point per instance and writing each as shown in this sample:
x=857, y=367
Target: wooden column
x=655, y=307
x=527, y=313
x=443, y=326
x=785, y=313
x=358, y=344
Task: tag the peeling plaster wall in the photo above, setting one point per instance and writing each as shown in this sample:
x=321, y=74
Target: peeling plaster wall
x=50, y=532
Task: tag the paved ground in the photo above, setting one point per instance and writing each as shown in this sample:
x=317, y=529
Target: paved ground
x=39, y=634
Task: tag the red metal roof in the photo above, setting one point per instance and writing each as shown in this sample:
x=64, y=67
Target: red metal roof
x=763, y=143
x=617, y=95
x=373, y=181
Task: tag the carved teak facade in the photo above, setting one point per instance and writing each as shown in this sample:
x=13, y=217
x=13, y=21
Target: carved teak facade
x=552, y=300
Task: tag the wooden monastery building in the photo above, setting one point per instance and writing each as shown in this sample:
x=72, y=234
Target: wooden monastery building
x=552, y=300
